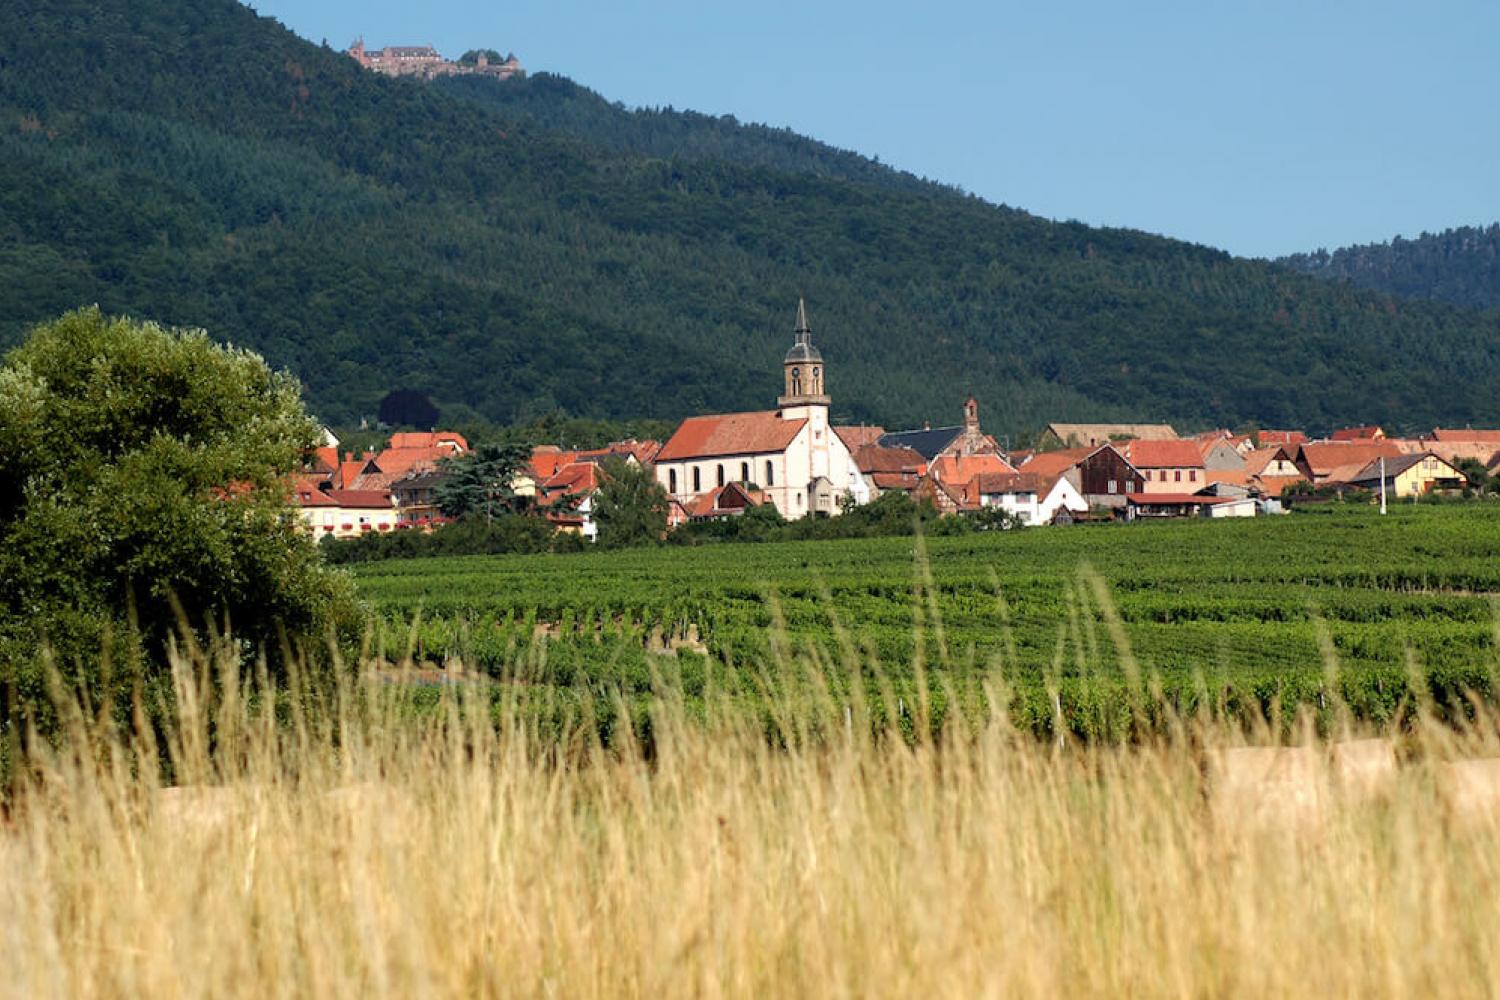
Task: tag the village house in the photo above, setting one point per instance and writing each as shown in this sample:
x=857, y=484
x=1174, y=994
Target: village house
x=1410, y=475
x=416, y=500
x=1028, y=497
x=1101, y=475
x=790, y=454
x=731, y=500
x=1270, y=470
x=1328, y=462
x=1168, y=466
x=889, y=470
x=1223, y=454
x=340, y=513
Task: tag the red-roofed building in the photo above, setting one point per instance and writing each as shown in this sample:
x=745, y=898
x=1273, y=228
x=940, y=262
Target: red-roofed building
x=1290, y=439
x=855, y=438
x=1167, y=466
x=791, y=454
x=958, y=470
x=1101, y=474
x=341, y=513
x=1466, y=434
x=731, y=500
x=1369, y=433
x=449, y=441
x=1335, y=461
x=889, y=469
x=1031, y=498
x=578, y=484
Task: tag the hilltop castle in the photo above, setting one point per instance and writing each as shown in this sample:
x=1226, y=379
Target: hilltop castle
x=424, y=61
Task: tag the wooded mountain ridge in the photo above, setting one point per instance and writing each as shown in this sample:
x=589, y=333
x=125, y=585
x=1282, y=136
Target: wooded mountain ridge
x=1458, y=266
x=522, y=248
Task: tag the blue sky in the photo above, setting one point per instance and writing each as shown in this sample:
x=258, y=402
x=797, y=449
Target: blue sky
x=1261, y=126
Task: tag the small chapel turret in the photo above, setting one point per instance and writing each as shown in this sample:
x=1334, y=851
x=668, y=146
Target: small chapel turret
x=803, y=368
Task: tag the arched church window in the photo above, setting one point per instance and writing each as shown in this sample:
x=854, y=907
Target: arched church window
x=721, y=474
x=796, y=381
x=817, y=381
x=744, y=472
x=672, y=481
x=770, y=475
x=697, y=480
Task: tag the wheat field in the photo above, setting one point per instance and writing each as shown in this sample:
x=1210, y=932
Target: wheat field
x=348, y=846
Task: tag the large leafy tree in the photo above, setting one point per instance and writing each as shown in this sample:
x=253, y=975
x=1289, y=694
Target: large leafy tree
x=143, y=479
x=631, y=506
x=482, y=482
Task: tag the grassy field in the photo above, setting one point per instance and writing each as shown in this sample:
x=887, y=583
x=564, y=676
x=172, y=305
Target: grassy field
x=592, y=814
x=1332, y=604
x=354, y=848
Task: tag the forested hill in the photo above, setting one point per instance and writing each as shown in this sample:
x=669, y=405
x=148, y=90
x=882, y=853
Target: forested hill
x=555, y=102
x=513, y=255
x=1458, y=266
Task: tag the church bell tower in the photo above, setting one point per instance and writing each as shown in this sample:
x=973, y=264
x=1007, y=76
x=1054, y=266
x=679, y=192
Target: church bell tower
x=803, y=369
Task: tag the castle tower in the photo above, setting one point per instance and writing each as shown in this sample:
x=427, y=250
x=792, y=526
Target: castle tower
x=802, y=369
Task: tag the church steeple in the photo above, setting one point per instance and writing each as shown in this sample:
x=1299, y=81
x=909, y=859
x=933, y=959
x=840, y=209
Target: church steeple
x=802, y=367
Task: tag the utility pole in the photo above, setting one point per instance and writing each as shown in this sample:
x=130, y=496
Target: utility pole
x=1382, y=484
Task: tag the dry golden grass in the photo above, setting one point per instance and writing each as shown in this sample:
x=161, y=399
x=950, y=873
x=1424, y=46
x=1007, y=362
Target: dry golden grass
x=364, y=851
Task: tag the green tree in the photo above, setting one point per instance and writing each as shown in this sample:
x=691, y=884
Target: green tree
x=630, y=507
x=143, y=476
x=482, y=482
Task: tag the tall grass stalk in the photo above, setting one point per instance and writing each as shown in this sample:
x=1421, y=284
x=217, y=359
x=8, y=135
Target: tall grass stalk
x=348, y=839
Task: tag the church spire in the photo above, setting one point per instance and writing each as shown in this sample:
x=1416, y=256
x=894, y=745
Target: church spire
x=803, y=366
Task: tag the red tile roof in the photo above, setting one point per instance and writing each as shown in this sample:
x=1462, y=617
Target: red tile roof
x=1369, y=433
x=1288, y=438
x=398, y=462
x=988, y=483
x=313, y=498
x=873, y=458
x=1163, y=454
x=546, y=459
x=325, y=460
x=895, y=480
x=571, y=480
x=855, y=438
x=1465, y=434
x=361, y=498
x=955, y=470
x=756, y=433
x=1257, y=460
x=449, y=440
x=1055, y=463
x=729, y=499
x=348, y=471
x=1323, y=456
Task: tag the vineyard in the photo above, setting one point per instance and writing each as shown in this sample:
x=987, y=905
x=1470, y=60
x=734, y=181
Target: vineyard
x=1082, y=629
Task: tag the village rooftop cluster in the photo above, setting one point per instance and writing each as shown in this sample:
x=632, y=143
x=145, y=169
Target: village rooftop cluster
x=721, y=465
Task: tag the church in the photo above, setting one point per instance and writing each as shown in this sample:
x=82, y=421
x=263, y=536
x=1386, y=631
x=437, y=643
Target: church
x=790, y=454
